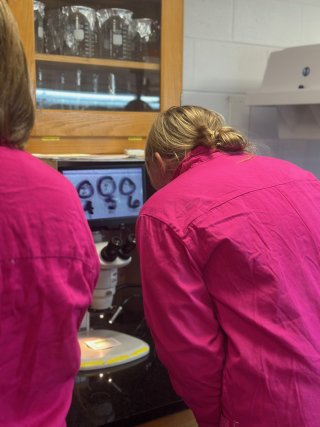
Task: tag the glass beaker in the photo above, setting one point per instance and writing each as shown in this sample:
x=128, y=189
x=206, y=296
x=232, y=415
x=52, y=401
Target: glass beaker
x=54, y=26
x=80, y=35
x=142, y=28
x=69, y=43
x=39, y=83
x=78, y=104
x=114, y=34
x=38, y=8
x=111, y=83
x=103, y=35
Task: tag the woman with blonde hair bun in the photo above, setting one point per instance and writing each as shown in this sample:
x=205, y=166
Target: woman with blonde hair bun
x=230, y=267
x=48, y=261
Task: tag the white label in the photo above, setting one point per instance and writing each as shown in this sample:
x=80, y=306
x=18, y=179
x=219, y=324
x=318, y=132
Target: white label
x=40, y=32
x=78, y=34
x=117, y=39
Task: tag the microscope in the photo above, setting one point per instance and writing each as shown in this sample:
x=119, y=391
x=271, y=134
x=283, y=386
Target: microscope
x=105, y=348
x=112, y=192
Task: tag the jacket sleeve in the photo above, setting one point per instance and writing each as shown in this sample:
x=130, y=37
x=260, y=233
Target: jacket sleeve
x=181, y=318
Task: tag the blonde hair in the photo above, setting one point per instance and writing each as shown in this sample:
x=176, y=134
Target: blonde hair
x=178, y=130
x=16, y=105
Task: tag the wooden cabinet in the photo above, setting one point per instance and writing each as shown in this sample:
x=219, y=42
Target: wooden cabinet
x=70, y=128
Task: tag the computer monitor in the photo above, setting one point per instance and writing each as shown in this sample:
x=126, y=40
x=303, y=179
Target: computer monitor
x=111, y=192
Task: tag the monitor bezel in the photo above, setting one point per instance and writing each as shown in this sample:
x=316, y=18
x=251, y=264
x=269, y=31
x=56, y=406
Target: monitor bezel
x=108, y=223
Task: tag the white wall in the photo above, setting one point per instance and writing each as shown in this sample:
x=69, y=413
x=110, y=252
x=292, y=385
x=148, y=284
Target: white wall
x=226, y=47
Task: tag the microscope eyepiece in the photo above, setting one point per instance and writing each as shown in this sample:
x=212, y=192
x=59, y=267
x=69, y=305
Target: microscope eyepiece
x=128, y=247
x=110, y=252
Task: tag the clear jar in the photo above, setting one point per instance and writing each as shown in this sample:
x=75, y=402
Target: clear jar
x=80, y=35
x=142, y=28
x=54, y=24
x=114, y=34
x=38, y=9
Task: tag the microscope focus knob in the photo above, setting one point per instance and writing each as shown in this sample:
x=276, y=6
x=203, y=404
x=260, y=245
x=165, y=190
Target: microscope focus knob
x=110, y=252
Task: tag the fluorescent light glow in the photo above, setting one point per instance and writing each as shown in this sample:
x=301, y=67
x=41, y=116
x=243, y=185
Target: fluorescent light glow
x=47, y=98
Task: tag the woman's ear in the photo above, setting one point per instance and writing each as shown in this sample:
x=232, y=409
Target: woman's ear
x=160, y=171
x=161, y=163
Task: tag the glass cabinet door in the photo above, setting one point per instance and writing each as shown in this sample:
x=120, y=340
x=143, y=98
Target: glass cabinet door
x=97, y=55
x=100, y=70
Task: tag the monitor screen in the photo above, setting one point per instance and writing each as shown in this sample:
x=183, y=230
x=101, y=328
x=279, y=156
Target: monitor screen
x=111, y=193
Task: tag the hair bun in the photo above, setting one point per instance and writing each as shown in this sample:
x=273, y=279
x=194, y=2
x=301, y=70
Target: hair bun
x=229, y=139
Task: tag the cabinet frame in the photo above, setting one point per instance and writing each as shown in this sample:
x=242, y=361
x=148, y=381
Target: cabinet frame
x=95, y=132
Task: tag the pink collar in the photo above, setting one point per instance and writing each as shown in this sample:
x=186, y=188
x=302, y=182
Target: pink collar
x=198, y=155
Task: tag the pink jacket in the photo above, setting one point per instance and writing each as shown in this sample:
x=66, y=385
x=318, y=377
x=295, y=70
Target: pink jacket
x=230, y=263
x=48, y=268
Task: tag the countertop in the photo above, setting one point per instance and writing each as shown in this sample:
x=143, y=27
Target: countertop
x=126, y=395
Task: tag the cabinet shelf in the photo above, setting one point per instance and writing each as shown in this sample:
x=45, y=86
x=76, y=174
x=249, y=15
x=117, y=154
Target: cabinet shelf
x=97, y=62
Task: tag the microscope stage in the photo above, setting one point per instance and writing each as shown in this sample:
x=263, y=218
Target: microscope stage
x=102, y=348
